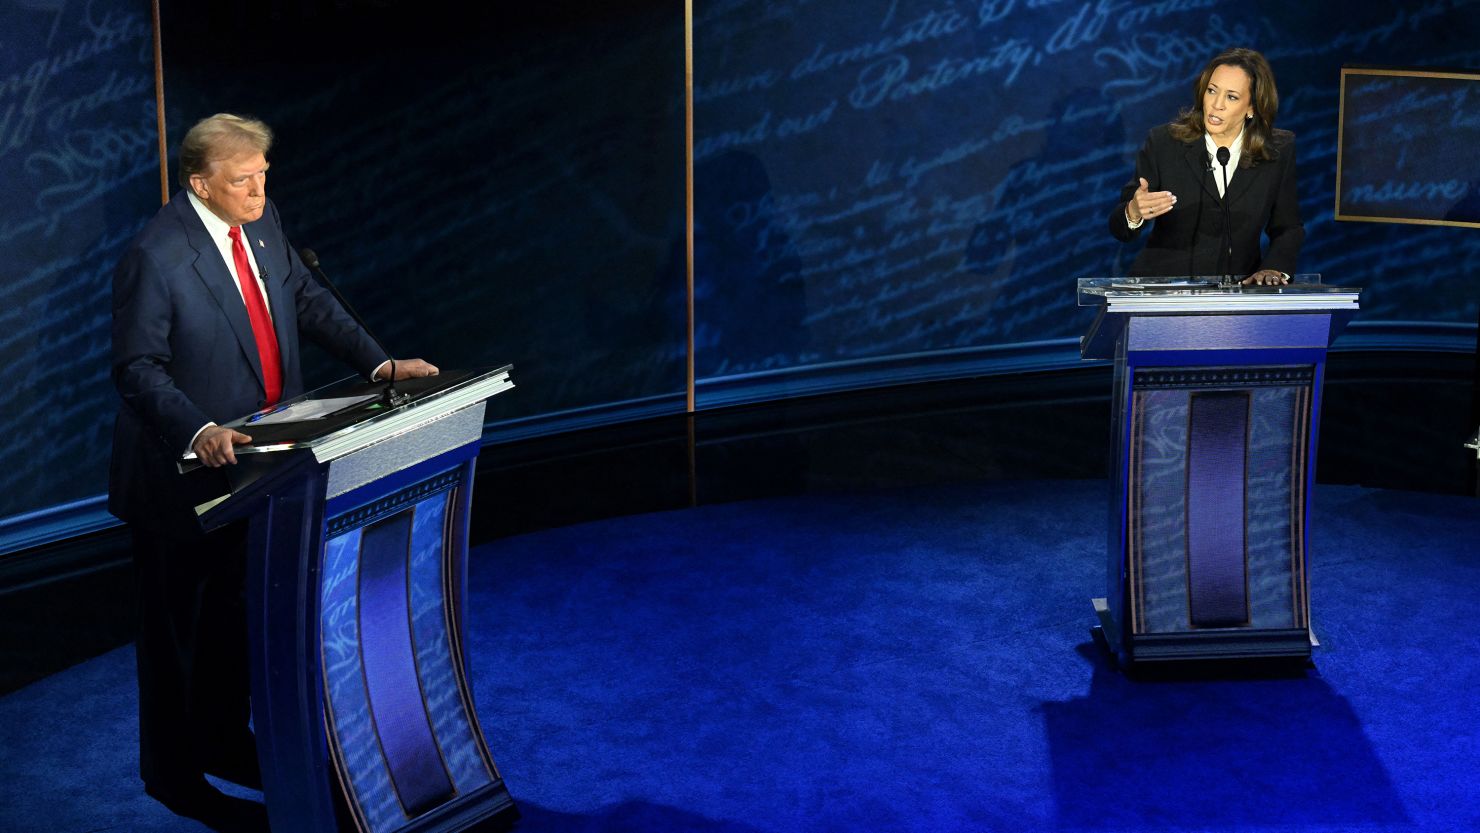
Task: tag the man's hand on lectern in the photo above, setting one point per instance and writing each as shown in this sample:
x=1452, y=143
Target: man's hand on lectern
x=216, y=445
x=407, y=369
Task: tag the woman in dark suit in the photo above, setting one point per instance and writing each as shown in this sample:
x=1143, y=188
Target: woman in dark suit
x=1179, y=190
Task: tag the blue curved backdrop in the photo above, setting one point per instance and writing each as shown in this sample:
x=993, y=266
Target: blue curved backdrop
x=883, y=177
x=79, y=176
x=883, y=189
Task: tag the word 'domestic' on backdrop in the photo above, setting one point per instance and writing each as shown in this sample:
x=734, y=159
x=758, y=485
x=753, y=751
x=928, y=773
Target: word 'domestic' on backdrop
x=890, y=177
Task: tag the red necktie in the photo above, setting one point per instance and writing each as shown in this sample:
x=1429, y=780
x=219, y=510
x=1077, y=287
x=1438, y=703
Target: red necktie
x=267, y=346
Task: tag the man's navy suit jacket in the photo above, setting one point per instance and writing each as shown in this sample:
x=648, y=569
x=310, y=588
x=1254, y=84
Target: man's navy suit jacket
x=184, y=354
x=1262, y=198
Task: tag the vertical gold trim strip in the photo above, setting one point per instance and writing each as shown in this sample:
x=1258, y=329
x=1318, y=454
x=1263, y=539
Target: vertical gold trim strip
x=1248, y=467
x=1297, y=427
x=693, y=464
x=1136, y=598
x=1340, y=138
x=164, y=162
x=1187, y=510
x=688, y=151
x=688, y=130
x=1305, y=402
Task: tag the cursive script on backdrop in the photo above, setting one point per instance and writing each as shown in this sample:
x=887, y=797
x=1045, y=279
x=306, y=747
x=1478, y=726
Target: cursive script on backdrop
x=960, y=159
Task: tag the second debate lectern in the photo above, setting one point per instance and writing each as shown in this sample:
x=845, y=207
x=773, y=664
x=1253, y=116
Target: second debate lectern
x=1216, y=406
x=358, y=513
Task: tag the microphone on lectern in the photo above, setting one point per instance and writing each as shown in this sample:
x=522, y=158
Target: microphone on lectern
x=1225, y=257
x=390, y=396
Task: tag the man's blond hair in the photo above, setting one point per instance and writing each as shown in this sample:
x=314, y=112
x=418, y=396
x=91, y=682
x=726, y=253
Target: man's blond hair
x=218, y=137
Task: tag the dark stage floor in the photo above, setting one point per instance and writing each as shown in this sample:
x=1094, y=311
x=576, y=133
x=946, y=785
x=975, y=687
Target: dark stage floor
x=912, y=658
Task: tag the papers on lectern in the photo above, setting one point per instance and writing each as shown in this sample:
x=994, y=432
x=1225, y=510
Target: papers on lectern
x=306, y=410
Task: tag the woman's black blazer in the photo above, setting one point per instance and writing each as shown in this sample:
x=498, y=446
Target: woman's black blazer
x=1185, y=241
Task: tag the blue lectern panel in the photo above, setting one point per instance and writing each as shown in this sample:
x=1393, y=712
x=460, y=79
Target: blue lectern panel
x=1217, y=547
x=389, y=662
x=1161, y=489
x=401, y=724
x=1158, y=535
x=1196, y=332
x=1277, y=443
x=351, y=729
x=447, y=702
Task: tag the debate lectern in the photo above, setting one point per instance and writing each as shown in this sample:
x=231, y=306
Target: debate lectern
x=1216, y=406
x=358, y=514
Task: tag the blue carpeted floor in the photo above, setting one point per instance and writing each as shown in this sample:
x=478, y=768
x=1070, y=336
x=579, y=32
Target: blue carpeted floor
x=903, y=660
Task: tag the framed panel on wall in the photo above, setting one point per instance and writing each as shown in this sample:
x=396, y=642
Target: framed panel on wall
x=1405, y=146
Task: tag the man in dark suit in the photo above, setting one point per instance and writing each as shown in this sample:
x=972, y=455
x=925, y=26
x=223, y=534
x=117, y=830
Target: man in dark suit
x=209, y=305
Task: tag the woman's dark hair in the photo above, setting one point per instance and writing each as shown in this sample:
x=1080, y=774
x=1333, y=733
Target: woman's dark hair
x=1189, y=126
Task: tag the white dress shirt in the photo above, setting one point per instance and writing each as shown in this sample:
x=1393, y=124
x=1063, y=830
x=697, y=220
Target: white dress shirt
x=220, y=234
x=1235, y=151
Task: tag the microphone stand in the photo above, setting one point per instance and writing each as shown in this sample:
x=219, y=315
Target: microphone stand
x=389, y=396
x=1225, y=258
